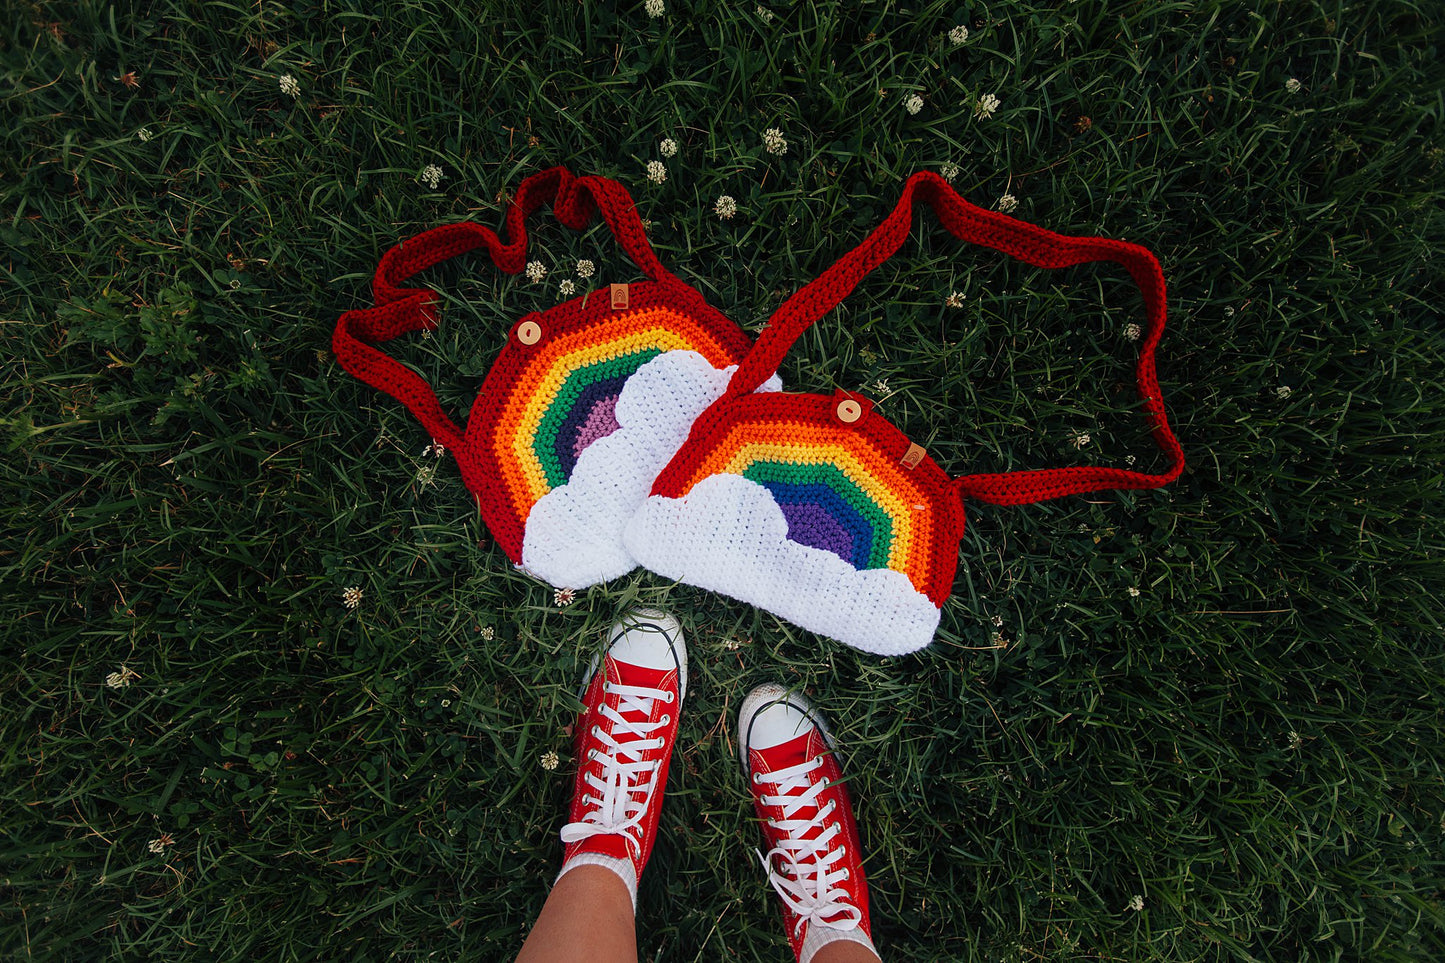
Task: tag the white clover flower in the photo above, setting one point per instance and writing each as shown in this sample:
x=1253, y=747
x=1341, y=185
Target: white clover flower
x=954, y=300
x=1129, y=459
x=985, y=107
x=123, y=678
x=161, y=843
x=1007, y=203
x=773, y=141
x=1293, y=85
x=668, y=147
x=435, y=448
x=1133, y=591
x=656, y=172
x=732, y=645
x=764, y=14
x=536, y=271
x=958, y=35
x=1132, y=331
x=431, y=176
x=488, y=633
x=1296, y=741
x=948, y=172
x=564, y=597
x=1283, y=392
x=585, y=268
x=143, y=135
x=1136, y=904
x=725, y=207
x=548, y=760
x=351, y=596
x=289, y=86
x=654, y=8
x=880, y=386
x=1081, y=439
x=913, y=104
x=566, y=288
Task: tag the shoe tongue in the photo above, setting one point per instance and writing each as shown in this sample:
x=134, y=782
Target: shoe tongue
x=623, y=673
x=790, y=753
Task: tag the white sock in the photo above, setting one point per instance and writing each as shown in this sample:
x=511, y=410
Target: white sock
x=622, y=867
x=819, y=936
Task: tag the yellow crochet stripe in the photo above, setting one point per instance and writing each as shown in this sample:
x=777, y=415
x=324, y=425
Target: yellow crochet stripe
x=902, y=556
x=646, y=333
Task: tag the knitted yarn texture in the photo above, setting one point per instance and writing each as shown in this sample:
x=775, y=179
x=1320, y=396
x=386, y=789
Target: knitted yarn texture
x=586, y=401
x=820, y=511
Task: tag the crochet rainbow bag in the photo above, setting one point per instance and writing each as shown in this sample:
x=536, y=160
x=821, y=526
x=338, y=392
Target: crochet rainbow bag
x=816, y=508
x=586, y=401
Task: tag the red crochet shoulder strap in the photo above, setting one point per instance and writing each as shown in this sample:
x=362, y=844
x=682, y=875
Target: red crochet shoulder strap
x=1025, y=242
x=400, y=309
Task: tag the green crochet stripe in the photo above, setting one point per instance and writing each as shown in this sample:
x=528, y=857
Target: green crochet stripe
x=790, y=473
x=545, y=443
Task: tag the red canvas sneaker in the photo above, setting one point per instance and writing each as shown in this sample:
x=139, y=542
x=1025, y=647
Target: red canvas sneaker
x=814, y=860
x=624, y=740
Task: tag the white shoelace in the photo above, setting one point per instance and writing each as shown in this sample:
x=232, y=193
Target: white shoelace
x=626, y=782
x=808, y=877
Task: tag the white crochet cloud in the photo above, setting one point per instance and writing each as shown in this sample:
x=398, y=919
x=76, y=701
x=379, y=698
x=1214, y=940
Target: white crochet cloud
x=573, y=534
x=728, y=535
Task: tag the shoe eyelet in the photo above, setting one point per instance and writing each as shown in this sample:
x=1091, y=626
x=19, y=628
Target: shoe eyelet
x=845, y=874
x=666, y=718
x=607, y=688
x=818, y=760
x=671, y=698
x=757, y=777
x=597, y=731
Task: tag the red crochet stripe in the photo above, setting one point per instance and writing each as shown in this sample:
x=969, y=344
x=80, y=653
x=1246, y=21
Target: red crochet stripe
x=493, y=473
x=782, y=420
x=1026, y=242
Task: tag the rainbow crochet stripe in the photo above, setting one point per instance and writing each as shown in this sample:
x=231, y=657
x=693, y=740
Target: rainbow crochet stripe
x=821, y=521
x=562, y=397
x=838, y=493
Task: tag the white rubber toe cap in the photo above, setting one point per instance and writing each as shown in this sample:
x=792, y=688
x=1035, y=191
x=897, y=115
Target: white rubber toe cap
x=772, y=715
x=651, y=639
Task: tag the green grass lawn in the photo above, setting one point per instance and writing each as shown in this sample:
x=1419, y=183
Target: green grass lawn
x=1201, y=723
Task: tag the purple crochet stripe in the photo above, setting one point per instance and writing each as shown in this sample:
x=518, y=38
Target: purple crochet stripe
x=811, y=524
x=601, y=422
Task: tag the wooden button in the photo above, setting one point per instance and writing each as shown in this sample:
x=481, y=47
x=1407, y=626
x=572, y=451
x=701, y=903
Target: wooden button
x=849, y=411
x=529, y=332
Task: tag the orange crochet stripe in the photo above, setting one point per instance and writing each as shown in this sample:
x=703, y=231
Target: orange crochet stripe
x=804, y=432
x=539, y=384
x=852, y=455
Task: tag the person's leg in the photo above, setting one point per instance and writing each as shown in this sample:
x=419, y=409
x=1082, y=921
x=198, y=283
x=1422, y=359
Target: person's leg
x=844, y=951
x=589, y=907
x=814, y=859
x=624, y=740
